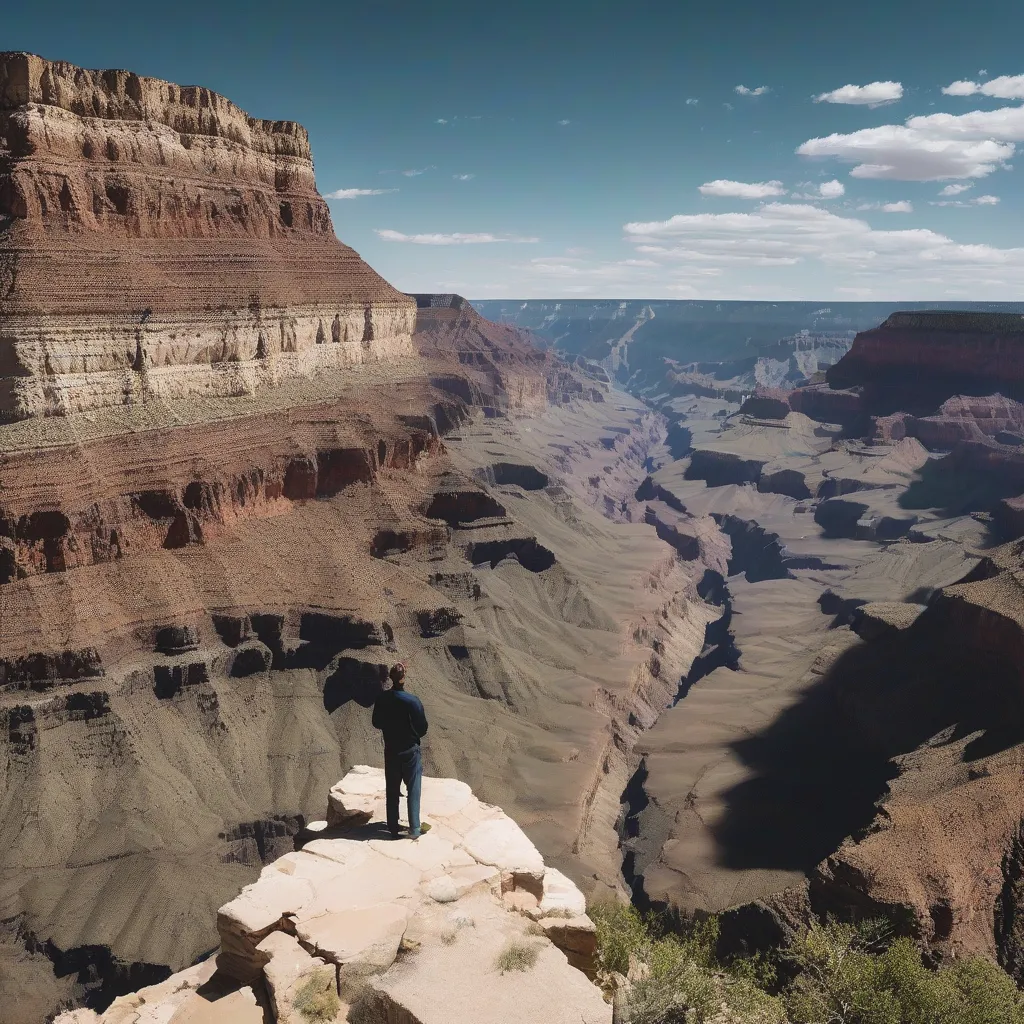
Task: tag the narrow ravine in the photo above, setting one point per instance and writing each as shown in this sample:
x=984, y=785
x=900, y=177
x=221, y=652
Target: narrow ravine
x=779, y=591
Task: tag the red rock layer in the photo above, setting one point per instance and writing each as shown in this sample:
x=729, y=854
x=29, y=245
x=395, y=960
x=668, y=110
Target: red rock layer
x=961, y=418
x=150, y=224
x=923, y=358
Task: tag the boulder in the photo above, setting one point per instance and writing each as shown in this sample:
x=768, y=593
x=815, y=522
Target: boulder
x=503, y=844
x=353, y=800
x=251, y=916
x=561, y=895
x=360, y=942
x=289, y=971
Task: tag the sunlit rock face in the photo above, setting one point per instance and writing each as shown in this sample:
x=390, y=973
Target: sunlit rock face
x=157, y=240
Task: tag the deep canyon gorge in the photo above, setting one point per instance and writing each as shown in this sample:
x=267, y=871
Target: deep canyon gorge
x=737, y=635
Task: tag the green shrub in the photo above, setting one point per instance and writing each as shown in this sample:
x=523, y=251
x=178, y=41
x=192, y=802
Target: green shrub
x=684, y=983
x=317, y=999
x=845, y=974
x=621, y=933
x=841, y=979
x=517, y=956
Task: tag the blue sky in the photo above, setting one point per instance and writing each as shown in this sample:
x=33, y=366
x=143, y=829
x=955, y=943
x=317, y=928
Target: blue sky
x=557, y=149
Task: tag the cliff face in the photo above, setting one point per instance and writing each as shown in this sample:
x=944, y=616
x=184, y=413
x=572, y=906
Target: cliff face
x=156, y=240
x=942, y=858
x=914, y=361
x=197, y=602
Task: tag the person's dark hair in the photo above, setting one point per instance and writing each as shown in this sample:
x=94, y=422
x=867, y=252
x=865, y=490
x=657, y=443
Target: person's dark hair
x=397, y=674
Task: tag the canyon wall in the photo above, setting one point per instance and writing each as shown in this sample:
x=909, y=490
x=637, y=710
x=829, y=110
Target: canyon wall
x=916, y=360
x=240, y=475
x=849, y=741
x=155, y=240
x=195, y=615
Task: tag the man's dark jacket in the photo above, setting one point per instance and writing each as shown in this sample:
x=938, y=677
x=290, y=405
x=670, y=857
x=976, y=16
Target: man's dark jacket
x=400, y=717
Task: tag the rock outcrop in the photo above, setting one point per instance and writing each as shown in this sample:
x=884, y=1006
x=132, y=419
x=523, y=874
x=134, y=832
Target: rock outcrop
x=916, y=360
x=960, y=418
x=155, y=240
x=377, y=930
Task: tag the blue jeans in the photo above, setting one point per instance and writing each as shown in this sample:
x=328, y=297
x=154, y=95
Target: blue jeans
x=403, y=766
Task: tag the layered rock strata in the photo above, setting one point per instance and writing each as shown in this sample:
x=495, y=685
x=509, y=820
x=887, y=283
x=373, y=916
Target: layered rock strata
x=915, y=360
x=155, y=240
x=383, y=930
x=199, y=600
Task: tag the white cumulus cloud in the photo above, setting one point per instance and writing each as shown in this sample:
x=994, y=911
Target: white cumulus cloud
x=874, y=94
x=579, y=270
x=902, y=206
x=565, y=121
x=691, y=102
x=742, y=189
x=976, y=201
x=831, y=189
x=1005, y=87
x=463, y=177
x=742, y=90
x=784, y=234
x=955, y=190
x=455, y=238
x=932, y=147
x=354, y=193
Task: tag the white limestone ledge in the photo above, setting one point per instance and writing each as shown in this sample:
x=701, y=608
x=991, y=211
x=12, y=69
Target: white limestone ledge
x=400, y=930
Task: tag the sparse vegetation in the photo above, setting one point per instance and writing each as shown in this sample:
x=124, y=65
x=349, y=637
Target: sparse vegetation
x=449, y=935
x=517, y=956
x=559, y=912
x=836, y=974
x=317, y=998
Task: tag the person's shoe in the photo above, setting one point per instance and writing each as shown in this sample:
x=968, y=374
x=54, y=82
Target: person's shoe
x=424, y=827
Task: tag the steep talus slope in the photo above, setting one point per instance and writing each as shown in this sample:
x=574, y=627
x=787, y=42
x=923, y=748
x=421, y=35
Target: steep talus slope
x=157, y=240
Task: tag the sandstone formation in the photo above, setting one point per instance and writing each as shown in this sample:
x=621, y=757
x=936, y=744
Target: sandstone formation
x=915, y=360
x=202, y=580
x=399, y=930
x=199, y=601
x=156, y=240
x=960, y=418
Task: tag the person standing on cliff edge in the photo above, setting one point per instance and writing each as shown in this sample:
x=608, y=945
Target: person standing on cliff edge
x=402, y=721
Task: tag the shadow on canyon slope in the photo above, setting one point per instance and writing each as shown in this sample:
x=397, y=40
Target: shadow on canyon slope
x=819, y=768
x=958, y=488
